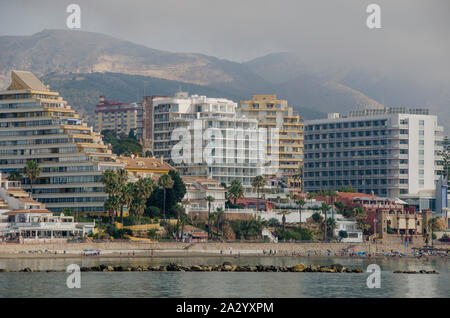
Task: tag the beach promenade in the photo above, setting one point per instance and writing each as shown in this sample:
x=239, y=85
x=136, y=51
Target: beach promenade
x=15, y=250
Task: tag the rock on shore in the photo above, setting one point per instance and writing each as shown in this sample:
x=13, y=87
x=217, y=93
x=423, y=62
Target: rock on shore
x=417, y=272
x=228, y=267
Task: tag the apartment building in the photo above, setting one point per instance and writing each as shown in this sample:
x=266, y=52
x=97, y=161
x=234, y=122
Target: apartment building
x=37, y=124
x=392, y=152
x=119, y=117
x=273, y=113
x=240, y=154
x=147, y=106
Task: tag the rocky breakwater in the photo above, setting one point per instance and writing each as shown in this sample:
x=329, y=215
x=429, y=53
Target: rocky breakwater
x=422, y=271
x=226, y=267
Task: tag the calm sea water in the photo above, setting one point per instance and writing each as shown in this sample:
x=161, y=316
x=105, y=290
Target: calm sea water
x=220, y=284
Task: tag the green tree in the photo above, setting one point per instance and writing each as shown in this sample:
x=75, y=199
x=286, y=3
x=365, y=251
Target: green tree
x=331, y=225
x=220, y=219
x=32, y=171
x=110, y=180
x=122, y=178
x=434, y=226
x=325, y=208
x=235, y=191
x=174, y=195
x=122, y=145
x=300, y=204
x=340, y=207
x=15, y=175
x=165, y=182
x=142, y=190
x=343, y=234
x=316, y=217
x=126, y=197
x=346, y=189
x=179, y=210
x=112, y=204
x=184, y=221
x=209, y=199
x=258, y=183
x=283, y=218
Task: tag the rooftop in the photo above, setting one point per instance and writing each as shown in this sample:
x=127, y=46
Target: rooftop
x=145, y=163
x=26, y=80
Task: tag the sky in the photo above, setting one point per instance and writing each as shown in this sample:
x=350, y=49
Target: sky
x=414, y=35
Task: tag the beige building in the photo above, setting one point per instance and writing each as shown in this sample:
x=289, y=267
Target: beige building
x=37, y=124
x=275, y=113
x=138, y=167
x=119, y=117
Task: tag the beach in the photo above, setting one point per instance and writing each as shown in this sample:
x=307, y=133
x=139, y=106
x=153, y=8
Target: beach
x=145, y=249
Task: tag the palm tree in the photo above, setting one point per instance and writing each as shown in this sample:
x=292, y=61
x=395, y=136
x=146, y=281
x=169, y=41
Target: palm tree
x=109, y=179
x=126, y=197
x=111, y=206
x=211, y=219
x=434, y=225
x=220, y=219
x=165, y=182
x=209, y=199
x=331, y=225
x=143, y=188
x=258, y=183
x=283, y=218
x=183, y=220
x=122, y=177
x=340, y=207
x=178, y=209
x=325, y=208
x=300, y=204
x=32, y=171
x=235, y=191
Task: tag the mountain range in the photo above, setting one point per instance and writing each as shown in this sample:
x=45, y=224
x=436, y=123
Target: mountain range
x=83, y=65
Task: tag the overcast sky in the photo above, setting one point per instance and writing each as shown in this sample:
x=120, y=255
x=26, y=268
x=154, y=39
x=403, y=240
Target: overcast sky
x=415, y=35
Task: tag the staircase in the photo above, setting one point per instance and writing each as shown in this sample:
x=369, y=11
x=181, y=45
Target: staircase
x=266, y=232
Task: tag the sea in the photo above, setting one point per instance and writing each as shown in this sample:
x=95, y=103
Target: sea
x=227, y=284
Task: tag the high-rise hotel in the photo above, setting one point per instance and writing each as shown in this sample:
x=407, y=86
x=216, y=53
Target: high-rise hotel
x=37, y=124
x=274, y=113
x=239, y=157
x=391, y=152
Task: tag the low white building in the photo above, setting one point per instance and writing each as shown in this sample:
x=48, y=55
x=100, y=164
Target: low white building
x=197, y=189
x=354, y=234
x=24, y=219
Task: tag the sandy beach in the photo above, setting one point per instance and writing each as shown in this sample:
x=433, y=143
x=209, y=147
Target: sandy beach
x=179, y=249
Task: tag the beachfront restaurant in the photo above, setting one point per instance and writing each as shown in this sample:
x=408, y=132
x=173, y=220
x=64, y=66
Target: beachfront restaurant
x=36, y=225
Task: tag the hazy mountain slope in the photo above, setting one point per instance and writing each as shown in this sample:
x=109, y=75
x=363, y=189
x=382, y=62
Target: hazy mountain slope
x=341, y=89
x=64, y=51
x=311, y=90
x=83, y=90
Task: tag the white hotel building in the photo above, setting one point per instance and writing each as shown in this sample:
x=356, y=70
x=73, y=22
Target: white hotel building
x=391, y=152
x=240, y=157
x=37, y=124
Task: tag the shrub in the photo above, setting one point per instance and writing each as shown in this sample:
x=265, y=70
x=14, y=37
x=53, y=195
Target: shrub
x=153, y=211
x=343, y=234
x=117, y=233
x=273, y=222
x=316, y=217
